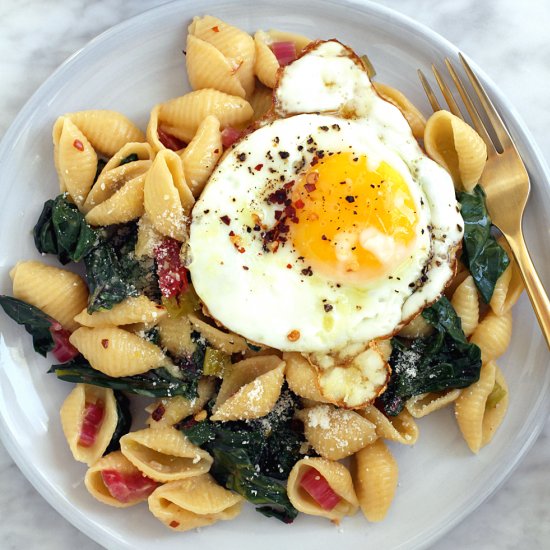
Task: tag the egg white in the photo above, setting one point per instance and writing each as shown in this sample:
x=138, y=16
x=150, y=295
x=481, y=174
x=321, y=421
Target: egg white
x=252, y=291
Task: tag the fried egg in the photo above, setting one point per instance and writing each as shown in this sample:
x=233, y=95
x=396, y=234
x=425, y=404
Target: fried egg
x=327, y=225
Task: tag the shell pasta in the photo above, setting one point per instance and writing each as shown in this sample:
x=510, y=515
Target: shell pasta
x=284, y=385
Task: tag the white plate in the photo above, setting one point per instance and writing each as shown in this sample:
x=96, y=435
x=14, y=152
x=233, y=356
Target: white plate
x=138, y=64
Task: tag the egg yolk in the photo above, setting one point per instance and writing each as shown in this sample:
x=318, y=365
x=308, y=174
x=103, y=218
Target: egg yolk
x=353, y=223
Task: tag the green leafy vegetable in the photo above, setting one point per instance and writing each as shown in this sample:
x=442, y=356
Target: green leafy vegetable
x=62, y=230
x=495, y=397
x=442, y=361
x=36, y=322
x=154, y=383
x=250, y=456
x=114, y=273
x=132, y=157
x=124, y=421
x=483, y=256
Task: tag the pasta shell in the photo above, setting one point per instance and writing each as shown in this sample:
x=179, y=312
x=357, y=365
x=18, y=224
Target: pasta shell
x=426, y=403
x=512, y=289
x=250, y=389
x=170, y=410
x=182, y=116
x=131, y=310
x=336, y=433
x=457, y=147
x=164, y=454
x=116, y=462
x=110, y=182
x=414, y=117
x=201, y=155
x=470, y=407
x=401, y=428
x=466, y=304
x=493, y=335
x=375, y=475
x=266, y=65
x=107, y=131
x=117, y=352
x=59, y=293
x=495, y=412
x=339, y=479
x=75, y=160
x=195, y=502
x=228, y=342
x=72, y=417
x=301, y=377
x=236, y=45
x=207, y=67
x=167, y=199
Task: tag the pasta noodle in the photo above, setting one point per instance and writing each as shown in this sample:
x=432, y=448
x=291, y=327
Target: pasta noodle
x=236, y=45
x=301, y=377
x=426, y=403
x=375, y=473
x=339, y=480
x=457, y=147
x=466, y=304
x=401, y=428
x=117, y=352
x=164, y=454
x=250, y=389
x=131, y=310
x=116, y=463
x=335, y=433
x=167, y=199
x=478, y=415
x=493, y=335
x=202, y=154
x=182, y=116
x=227, y=342
x=73, y=413
x=59, y=293
x=193, y=502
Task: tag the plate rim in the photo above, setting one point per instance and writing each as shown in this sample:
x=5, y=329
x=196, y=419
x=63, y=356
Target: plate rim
x=70, y=512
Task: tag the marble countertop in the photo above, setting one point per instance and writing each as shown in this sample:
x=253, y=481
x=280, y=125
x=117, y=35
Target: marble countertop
x=509, y=39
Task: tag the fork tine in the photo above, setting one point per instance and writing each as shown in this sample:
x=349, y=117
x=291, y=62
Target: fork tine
x=492, y=114
x=472, y=111
x=447, y=94
x=429, y=92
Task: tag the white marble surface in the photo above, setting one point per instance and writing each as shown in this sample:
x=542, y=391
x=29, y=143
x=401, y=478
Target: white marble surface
x=508, y=38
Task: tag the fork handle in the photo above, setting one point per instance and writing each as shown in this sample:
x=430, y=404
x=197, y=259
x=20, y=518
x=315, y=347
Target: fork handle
x=533, y=285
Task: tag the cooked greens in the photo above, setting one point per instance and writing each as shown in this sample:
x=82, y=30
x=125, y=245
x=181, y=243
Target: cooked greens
x=482, y=255
x=442, y=361
x=62, y=230
x=124, y=421
x=36, y=322
x=249, y=456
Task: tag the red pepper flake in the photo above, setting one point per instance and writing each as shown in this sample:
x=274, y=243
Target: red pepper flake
x=289, y=266
x=174, y=524
x=241, y=250
x=158, y=413
x=225, y=219
x=299, y=204
x=77, y=144
x=216, y=28
x=105, y=343
x=258, y=167
x=293, y=335
x=310, y=187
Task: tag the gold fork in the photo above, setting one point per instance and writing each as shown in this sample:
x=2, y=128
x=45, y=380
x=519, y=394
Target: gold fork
x=504, y=180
